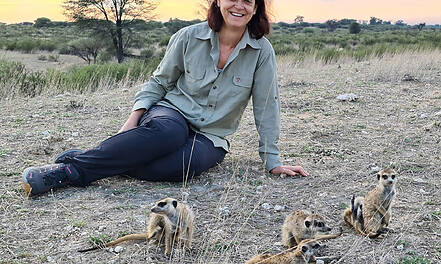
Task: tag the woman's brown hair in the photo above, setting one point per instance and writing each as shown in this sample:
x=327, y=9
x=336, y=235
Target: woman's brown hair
x=258, y=26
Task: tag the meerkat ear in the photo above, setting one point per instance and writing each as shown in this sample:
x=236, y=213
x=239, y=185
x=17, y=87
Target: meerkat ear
x=304, y=248
x=175, y=204
x=307, y=223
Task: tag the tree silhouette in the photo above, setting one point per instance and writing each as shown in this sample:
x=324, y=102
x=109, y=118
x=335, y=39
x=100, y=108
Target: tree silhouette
x=116, y=14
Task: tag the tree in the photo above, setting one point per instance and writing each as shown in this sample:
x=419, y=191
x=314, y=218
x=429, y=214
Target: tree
x=299, y=19
x=420, y=26
x=375, y=21
x=354, y=28
x=117, y=16
x=86, y=48
x=331, y=24
x=400, y=23
x=42, y=22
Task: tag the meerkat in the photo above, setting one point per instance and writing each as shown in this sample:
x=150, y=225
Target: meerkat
x=171, y=221
x=304, y=252
x=301, y=225
x=370, y=215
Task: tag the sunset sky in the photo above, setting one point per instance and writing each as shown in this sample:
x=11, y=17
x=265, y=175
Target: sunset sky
x=411, y=11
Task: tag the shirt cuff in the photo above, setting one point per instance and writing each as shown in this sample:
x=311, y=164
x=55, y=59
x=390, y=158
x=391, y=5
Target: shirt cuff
x=142, y=104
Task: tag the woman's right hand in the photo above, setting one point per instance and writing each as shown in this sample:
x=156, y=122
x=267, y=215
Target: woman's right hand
x=132, y=121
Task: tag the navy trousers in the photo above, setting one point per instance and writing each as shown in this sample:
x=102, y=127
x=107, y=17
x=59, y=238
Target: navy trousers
x=161, y=148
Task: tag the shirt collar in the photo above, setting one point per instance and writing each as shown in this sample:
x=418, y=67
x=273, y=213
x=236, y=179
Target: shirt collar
x=246, y=38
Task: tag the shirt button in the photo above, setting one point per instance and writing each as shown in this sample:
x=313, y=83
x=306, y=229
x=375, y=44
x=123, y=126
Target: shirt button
x=188, y=71
x=214, y=87
x=210, y=105
x=202, y=119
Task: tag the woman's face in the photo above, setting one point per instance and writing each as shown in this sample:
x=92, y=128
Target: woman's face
x=237, y=13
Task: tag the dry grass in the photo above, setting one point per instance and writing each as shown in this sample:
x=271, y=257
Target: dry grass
x=394, y=121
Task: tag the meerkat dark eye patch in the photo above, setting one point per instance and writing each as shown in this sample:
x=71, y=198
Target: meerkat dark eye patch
x=316, y=246
x=385, y=177
x=307, y=223
x=162, y=204
x=304, y=248
x=320, y=224
x=393, y=177
x=175, y=204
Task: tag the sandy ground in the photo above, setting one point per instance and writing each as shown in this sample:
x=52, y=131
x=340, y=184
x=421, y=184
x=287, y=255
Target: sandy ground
x=239, y=208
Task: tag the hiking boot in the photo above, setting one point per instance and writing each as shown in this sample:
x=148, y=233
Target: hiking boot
x=37, y=180
x=68, y=153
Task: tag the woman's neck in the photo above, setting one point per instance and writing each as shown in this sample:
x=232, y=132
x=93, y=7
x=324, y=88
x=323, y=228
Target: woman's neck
x=229, y=37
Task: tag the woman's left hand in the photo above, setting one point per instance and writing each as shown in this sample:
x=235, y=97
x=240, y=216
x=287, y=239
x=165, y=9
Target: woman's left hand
x=289, y=170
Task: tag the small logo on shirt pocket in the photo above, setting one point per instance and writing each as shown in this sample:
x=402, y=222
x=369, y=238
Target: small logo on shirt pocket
x=242, y=81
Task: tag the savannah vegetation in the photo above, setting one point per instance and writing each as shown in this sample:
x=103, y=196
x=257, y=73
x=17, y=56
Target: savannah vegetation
x=140, y=45
x=395, y=69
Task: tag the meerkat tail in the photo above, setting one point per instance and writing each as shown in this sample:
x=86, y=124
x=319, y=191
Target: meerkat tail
x=326, y=237
x=117, y=241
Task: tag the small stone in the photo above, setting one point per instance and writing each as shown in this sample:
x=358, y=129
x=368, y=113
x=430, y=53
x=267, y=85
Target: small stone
x=185, y=196
x=350, y=97
x=70, y=139
x=266, y=206
x=375, y=169
x=75, y=134
x=224, y=211
x=259, y=189
x=425, y=115
x=279, y=208
x=422, y=191
x=49, y=259
x=125, y=90
x=400, y=247
x=418, y=180
x=118, y=249
x=101, y=228
x=70, y=257
x=46, y=133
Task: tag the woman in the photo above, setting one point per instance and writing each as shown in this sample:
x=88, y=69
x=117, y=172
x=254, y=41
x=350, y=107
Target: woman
x=194, y=99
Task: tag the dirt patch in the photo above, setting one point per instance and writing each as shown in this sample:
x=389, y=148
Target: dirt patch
x=339, y=143
x=33, y=63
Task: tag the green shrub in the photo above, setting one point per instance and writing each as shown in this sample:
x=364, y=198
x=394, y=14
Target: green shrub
x=308, y=30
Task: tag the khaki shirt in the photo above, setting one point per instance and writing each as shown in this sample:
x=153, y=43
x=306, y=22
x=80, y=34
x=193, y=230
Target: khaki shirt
x=213, y=100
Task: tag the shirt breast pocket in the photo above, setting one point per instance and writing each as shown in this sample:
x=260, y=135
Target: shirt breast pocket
x=194, y=76
x=242, y=85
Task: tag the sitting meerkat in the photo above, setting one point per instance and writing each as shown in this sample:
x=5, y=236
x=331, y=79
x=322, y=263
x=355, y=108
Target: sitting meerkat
x=305, y=252
x=301, y=225
x=171, y=221
x=370, y=215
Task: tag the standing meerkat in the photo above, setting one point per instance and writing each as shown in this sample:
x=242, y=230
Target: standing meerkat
x=370, y=215
x=305, y=252
x=171, y=221
x=301, y=225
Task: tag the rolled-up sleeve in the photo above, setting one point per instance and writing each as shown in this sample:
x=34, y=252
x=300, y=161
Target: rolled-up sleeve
x=266, y=109
x=166, y=74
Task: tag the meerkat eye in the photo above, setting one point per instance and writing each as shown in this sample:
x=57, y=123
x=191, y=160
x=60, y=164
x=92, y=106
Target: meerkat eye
x=162, y=204
x=175, y=204
x=304, y=248
x=307, y=223
x=385, y=177
x=320, y=224
x=393, y=177
x=316, y=246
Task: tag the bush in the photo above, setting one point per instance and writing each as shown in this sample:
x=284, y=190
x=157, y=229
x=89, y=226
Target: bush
x=308, y=30
x=354, y=28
